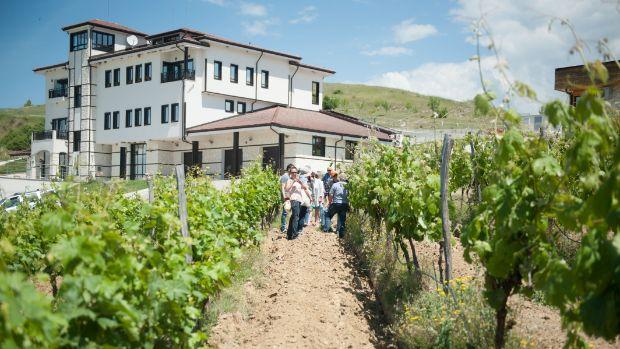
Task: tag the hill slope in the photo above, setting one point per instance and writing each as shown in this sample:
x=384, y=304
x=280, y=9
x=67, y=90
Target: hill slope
x=16, y=125
x=399, y=108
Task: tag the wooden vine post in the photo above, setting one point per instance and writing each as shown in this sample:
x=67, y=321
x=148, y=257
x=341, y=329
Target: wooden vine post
x=446, y=152
x=149, y=182
x=180, y=174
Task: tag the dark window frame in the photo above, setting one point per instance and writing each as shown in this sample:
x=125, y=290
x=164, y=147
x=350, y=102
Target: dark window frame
x=227, y=103
x=137, y=117
x=264, y=78
x=217, y=73
x=249, y=72
x=174, y=112
x=148, y=71
x=77, y=140
x=318, y=146
x=116, y=122
x=77, y=96
x=138, y=73
x=108, y=78
x=117, y=76
x=107, y=122
x=164, y=113
x=107, y=41
x=234, y=78
x=244, y=107
x=349, y=150
x=129, y=75
x=78, y=41
x=147, y=116
x=128, y=118
x=315, y=97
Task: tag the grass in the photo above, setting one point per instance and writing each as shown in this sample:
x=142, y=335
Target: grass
x=17, y=166
x=401, y=109
x=126, y=186
x=17, y=124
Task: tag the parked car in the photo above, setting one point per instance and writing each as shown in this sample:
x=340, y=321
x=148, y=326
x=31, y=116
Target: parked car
x=12, y=202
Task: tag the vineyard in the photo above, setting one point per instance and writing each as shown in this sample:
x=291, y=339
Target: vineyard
x=117, y=271
x=514, y=199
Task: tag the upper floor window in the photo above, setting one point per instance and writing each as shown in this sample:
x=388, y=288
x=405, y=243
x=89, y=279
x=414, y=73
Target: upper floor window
x=59, y=124
x=164, y=114
x=147, y=116
x=234, y=73
x=139, y=73
x=315, y=92
x=78, y=41
x=102, y=41
x=148, y=71
x=318, y=146
x=117, y=76
x=116, y=122
x=129, y=75
x=229, y=106
x=217, y=70
x=77, y=96
x=173, y=71
x=264, y=79
x=108, y=78
x=60, y=88
x=249, y=76
x=137, y=116
x=128, y=118
x=175, y=112
x=241, y=107
x=349, y=150
x=77, y=140
x=106, y=121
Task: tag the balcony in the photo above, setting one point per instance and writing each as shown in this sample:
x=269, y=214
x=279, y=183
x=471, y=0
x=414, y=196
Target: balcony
x=176, y=75
x=50, y=134
x=58, y=92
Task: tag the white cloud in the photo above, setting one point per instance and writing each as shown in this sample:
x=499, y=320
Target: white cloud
x=521, y=33
x=216, y=2
x=306, y=15
x=251, y=9
x=407, y=31
x=388, y=51
x=258, y=27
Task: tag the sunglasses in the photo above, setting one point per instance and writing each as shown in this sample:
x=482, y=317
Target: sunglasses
x=293, y=172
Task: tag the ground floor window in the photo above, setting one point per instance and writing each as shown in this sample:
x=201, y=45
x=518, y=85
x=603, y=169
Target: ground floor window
x=318, y=146
x=349, y=150
x=63, y=161
x=138, y=161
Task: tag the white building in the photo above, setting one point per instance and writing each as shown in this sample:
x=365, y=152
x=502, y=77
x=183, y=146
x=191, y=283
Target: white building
x=126, y=104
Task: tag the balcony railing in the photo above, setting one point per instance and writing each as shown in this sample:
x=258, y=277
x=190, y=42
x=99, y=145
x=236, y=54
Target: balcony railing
x=58, y=92
x=175, y=75
x=50, y=134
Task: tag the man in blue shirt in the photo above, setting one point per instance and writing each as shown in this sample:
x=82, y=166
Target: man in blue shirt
x=339, y=199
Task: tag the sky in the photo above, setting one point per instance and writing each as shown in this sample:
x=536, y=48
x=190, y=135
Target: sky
x=425, y=46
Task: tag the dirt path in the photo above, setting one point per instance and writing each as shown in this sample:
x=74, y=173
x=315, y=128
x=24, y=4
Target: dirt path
x=311, y=297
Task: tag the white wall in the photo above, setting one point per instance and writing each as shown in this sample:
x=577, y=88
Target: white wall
x=301, y=96
x=55, y=107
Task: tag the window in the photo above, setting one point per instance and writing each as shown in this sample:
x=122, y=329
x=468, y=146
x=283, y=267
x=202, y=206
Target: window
x=78, y=41
x=137, y=120
x=106, y=121
x=77, y=139
x=148, y=71
x=173, y=71
x=234, y=73
x=164, y=114
x=249, y=76
x=229, y=106
x=129, y=76
x=116, y=122
x=102, y=41
x=117, y=76
x=147, y=116
x=60, y=88
x=59, y=124
x=264, y=79
x=315, y=92
x=137, y=161
x=77, y=96
x=318, y=146
x=349, y=150
x=128, y=118
x=139, y=73
x=241, y=107
x=217, y=70
x=175, y=112
x=108, y=78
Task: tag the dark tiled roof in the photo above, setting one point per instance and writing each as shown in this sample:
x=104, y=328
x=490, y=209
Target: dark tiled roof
x=51, y=66
x=144, y=47
x=105, y=24
x=297, y=119
x=312, y=67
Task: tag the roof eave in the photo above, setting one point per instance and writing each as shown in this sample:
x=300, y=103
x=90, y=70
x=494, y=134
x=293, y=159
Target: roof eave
x=122, y=30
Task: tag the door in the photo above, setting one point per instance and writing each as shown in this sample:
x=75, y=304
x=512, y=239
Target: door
x=232, y=162
x=271, y=157
x=188, y=161
x=123, y=163
x=137, y=161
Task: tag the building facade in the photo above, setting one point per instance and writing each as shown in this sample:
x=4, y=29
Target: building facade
x=124, y=103
x=574, y=81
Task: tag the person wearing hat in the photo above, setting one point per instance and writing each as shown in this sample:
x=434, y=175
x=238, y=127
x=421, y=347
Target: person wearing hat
x=339, y=199
x=295, y=190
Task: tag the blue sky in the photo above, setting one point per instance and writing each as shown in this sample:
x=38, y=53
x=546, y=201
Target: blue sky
x=421, y=46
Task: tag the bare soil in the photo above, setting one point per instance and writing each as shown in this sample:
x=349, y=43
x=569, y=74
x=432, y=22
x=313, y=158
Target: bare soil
x=312, y=297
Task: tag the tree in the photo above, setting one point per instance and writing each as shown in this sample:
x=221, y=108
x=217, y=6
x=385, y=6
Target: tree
x=330, y=103
x=434, y=104
x=28, y=103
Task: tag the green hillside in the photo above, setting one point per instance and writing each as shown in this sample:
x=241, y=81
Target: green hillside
x=399, y=108
x=16, y=126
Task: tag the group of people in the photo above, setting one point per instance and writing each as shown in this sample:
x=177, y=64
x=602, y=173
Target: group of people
x=306, y=193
